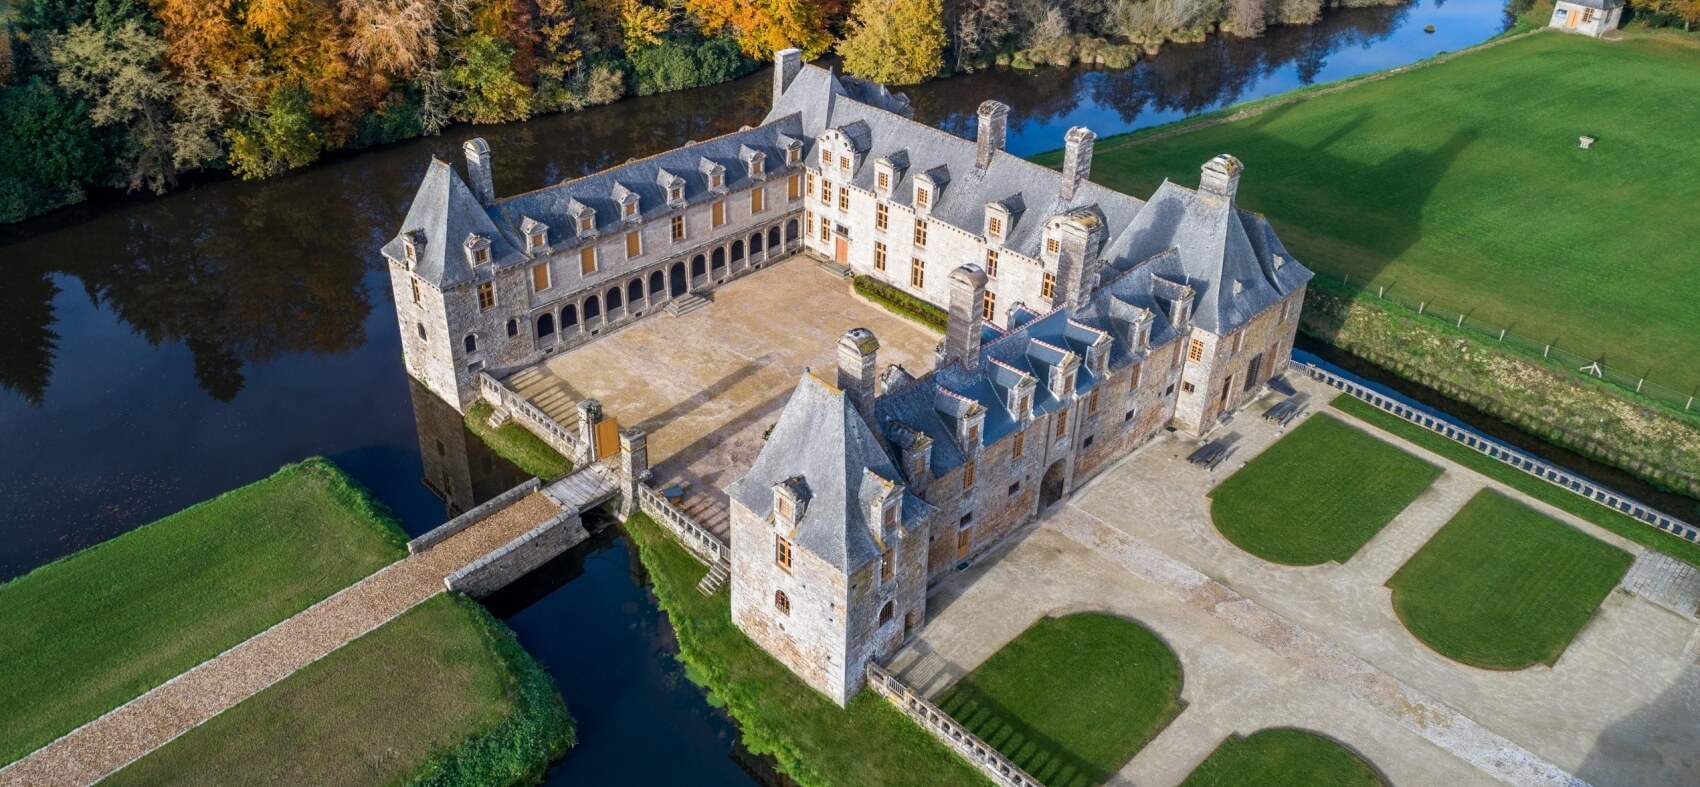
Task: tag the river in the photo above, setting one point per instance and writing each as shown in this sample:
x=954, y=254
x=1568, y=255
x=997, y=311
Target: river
x=155, y=352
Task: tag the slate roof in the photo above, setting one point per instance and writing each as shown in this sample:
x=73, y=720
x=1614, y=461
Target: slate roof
x=444, y=212
x=1601, y=5
x=1202, y=240
x=822, y=440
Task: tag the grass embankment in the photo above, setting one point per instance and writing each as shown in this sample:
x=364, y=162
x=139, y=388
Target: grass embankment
x=1569, y=502
x=1071, y=699
x=901, y=303
x=441, y=695
x=814, y=741
x=1282, y=757
x=1318, y=494
x=1503, y=586
x=516, y=444
x=1463, y=182
x=85, y=634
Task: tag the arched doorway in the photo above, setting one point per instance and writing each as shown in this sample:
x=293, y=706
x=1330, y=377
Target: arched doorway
x=613, y=298
x=699, y=266
x=676, y=277
x=1051, y=488
x=545, y=325
x=755, y=244
x=569, y=317
x=657, y=283
x=773, y=238
x=719, y=262
x=592, y=308
x=737, y=251
x=634, y=292
x=790, y=230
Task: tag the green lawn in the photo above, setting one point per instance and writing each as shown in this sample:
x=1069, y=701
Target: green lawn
x=88, y=633
x=1317, y=495
x=815, y=741
x=1462, y=182
x=1569, y=502
x=1502, y=586
x=440, y=695
x=516, y=444
x=1071, y=699
x=1283, y=757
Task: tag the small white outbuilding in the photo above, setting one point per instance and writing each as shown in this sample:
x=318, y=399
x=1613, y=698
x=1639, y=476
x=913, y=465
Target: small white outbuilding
x=1588, y=17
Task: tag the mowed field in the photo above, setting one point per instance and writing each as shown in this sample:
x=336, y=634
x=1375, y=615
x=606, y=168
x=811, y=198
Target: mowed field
x=1462, y=183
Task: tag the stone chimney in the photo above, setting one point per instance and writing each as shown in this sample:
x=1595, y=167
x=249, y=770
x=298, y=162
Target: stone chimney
x=1221, y=176
x=857, y=354
x=478, y=170
x=967, y=311
x=786, y=64
x=1077, y=159
x=994, y=130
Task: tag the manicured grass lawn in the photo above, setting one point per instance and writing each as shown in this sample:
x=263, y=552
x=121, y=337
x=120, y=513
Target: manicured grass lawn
x=1569, y=502
x=1280, y=757
x=815, y=741
x=1502, y=586
x=442, y=694
x=1463, y=183
x=87, y=633
x=1318, y=494
x=513, y=443
x=1071, y=699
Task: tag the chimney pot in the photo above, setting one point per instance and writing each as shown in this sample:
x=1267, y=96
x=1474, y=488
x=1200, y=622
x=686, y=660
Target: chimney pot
x=1077, y=159
x=478, y=170
x=857, y=356
x=1221, y=176
x=992, y=134
x=787, y=63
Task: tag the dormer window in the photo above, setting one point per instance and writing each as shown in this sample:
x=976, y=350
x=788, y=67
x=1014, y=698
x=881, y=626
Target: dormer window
x=994, y=228
x=477, y=249
x=883, y=182
x=784, y=509
x=794, y=153
x=539, y=240
x=409, y=250
x=716, y=180
x=587, y=222
x=1052, y=246
x=536, y=234
x=755, y=166
x=825, y=157
x=676, y=194
x=922, y=197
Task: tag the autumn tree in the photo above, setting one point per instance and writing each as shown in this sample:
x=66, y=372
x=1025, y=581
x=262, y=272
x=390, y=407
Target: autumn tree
x=978, y=27
x=1685, y=11
x=483, y=84
x=397, y=37
x=117, y=73
x=280, y=136
x=762, y=27
x=896, y=42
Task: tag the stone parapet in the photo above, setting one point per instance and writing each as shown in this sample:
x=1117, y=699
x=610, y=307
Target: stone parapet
x=472, y=517
x=518, y=557
x=977, y=752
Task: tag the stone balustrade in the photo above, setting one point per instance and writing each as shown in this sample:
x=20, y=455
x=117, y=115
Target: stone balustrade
x=977, y=752
x=529, y=416
x=691, y=534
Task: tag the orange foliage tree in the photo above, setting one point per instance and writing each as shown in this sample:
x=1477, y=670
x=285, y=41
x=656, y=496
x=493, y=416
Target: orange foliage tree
x=762, y=27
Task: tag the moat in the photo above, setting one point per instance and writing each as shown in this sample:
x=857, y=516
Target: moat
x=162, y=351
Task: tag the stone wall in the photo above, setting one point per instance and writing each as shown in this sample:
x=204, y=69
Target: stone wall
x=809, y=639
x=473, y=517
x=519, y=556
x=1219, y=381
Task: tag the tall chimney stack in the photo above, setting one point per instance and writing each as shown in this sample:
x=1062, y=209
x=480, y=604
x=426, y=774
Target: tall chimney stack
x=786, y=64
x=967, y=312
x=857, y=355
x=478, y=170
x=1077, y=159
x=1221, y=176
x=994, y=130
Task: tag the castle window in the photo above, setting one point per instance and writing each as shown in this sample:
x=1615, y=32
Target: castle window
x=973, y=440
x=634, y=244
x=991, y=264
x=794, y=154
x=486, y=296
x=785, y=510
x=922, y=196
x=587, y=260
x=631, y=209
x=409, y=251
x=678, y=228
x=891, y=516
x=755, y=166
x=716, y=180
x=1092, y=401
x=676, y=194
x=1021, y=407
x=883, y=181
x=1048, y=286
x=758, y=200
x=1195, y=351
x=917, y=273
x=1187, y=387
x=1129, y=416
x=825, y=193
x=888, y=568
x=718, y=213
x=825, y=230
x=539, y=240
x=881, y=214
x=844, y=199
x=481, y=255
x=793, y=188
x=968, y=476
x=1062, y=424
x=811, y=184
x=586, y=222
x=879, y=256
x=540, y=277
x=1020, y=443
x=1051, y=246
x=994, y=227
x=782, y=553
x=990, y=308
x=513, y=328
x=920, y=234
x=471, y=343
x=421, y=327
x=781, y=602
x=825, y=157
x=415, y=283
x=1013, y=488
x=886, y=613
x=844, y=164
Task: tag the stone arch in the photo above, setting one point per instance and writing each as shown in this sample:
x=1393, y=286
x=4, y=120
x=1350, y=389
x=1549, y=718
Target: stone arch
x=755, y=243
x=634, y=291
x=569, y=316
x=738, y=250
x=676, y=277
x=790, y=230
x=471, y=342
x=513, y=328
x=773, y=238
x=545, y=325
x=592, y=308
x=1053, y=485
x=613, y=298
x=886, y=612
x=781, y=602
x=699, y=266
x=717, y=259
x=657, y=283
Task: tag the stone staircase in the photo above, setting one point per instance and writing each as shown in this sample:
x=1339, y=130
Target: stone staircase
x=713, y=580
x=542, y=388
x=836, y=269
x=711, y=511
x=685, y=304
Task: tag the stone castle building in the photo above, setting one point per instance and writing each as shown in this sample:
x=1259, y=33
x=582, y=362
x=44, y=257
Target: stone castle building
x=1082, y=322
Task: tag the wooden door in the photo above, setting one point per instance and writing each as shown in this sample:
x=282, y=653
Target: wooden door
x=1571, y=19
x=607, y=438
x=841, y=253
x=964, y=542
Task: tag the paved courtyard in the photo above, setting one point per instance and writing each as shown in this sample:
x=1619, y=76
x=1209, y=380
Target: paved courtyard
x=1319, y=647
x=707, y=385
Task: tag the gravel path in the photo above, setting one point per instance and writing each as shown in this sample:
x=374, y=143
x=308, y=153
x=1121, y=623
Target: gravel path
x=97, y=749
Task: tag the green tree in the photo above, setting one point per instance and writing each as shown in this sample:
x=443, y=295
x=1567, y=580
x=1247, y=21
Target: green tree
x=896, y=42
x=688, y=61
x=483, y=83
x=48, y=151
x=280, y=137
x=118, y=73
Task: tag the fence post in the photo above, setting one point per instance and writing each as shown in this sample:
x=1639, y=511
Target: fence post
x=1546, y=352
x=1421, y=306
x=1460, y=321
x=1502, y=334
